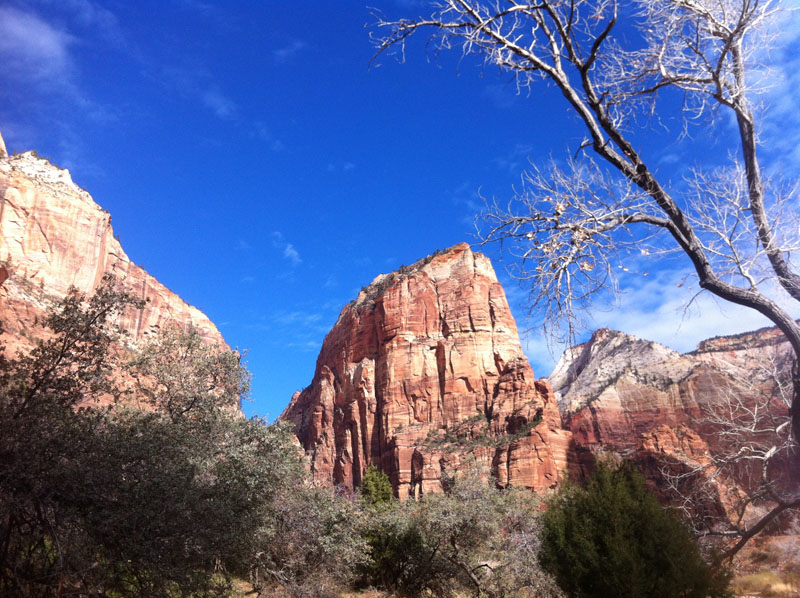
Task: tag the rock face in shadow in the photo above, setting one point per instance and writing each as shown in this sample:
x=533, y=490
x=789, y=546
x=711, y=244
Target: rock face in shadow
x=54, y=236
x=424, y=374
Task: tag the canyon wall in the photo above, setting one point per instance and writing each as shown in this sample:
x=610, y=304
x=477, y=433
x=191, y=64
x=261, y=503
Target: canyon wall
x=423, y=374
x=53, y=236
x=672, y=412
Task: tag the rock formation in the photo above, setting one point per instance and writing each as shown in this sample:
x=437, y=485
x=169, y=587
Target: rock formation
x=657, y=407
x=54, y=236
x=423, y=374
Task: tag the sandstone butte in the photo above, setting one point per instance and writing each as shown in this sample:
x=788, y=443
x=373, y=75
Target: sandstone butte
x=423, y=374
x=53, y=236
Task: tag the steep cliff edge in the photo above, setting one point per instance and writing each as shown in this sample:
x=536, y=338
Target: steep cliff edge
x=54, y=236
x=422, y=374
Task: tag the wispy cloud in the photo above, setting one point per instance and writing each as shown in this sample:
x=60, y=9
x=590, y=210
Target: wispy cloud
x=781, y=101
x=340, y=166
x=502, y=95
x=197, y=5
x=288, y=249
x=219, y=103
x=291, y=254
x=302, y=318
x=307, y=346
x=33, y=51
x=91, y=16
x=288, y=51
x=516, y=159
x=263, y=132
x=37, y=58
x=197, y=84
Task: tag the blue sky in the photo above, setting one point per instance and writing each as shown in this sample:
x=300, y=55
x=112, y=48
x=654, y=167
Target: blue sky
x=256, y=164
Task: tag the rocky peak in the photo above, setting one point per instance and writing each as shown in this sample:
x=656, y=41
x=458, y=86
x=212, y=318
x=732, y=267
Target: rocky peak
x=585, y=370
x=54, y=236
x=3, y=150
x=423, y=373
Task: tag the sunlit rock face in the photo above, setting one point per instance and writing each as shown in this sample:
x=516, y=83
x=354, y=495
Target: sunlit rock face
x=647, y=403
x=423, y=374
x=53, y=236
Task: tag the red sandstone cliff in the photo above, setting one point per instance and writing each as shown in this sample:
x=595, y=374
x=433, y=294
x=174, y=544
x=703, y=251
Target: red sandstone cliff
x=53, y=236
x=423, y=374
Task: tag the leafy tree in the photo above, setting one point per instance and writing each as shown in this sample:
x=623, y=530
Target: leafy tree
x=614, y=539
x=376, y=489
x=48, y=427
x=475, y=540
x=309, y=546
x=399, y=558
x=182, y=374
x=116, y=501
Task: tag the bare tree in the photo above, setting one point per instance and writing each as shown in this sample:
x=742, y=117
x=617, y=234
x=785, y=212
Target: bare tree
x=572, y=227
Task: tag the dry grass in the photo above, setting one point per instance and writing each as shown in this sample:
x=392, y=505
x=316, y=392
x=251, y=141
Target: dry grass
x=770, y=568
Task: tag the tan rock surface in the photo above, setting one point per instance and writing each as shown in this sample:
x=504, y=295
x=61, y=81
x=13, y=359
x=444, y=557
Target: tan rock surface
x=424, y=374
x=53, y=236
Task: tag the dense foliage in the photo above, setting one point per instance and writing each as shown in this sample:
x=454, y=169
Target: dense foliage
x=100, y=499
x=613, y=538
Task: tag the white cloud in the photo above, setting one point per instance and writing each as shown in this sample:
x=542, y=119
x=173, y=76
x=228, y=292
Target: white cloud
x=292, y=318
x=291, y=254
x=220, y=104
x=288, y=249
x=33, y=50
x=262, y=131
x=663, y=309
x=343, y=167
x=516, y=159
x=195, y=83
x=781, y=80
x=502, y=95
x=90, y=15
x=307, y=346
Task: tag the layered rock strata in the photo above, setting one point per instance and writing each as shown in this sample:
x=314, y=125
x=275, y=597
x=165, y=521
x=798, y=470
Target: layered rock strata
x=423, y=374
x=53, y=236
x=662, y=409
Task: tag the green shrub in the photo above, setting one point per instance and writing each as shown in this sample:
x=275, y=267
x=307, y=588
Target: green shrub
x=376, y=489
x=613, y=539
